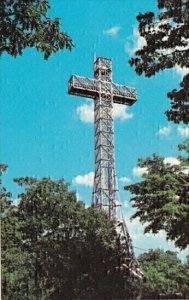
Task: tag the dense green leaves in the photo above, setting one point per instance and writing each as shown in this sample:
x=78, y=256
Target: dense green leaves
x=162, y=198
x=26, y=24
x=12, y=257
x=167, y=46
x=165, y=275
x=55, y=248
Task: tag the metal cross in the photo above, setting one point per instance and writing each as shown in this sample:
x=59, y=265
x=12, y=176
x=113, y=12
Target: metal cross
x=105, y=93
x=105, y=190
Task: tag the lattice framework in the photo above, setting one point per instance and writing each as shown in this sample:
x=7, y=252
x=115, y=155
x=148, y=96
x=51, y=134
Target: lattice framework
x=105, y=190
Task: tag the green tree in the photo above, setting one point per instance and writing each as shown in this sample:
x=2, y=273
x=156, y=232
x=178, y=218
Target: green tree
x=24, y=23
x=167, y=46
x=5, y=196
x=164, y=274
x=66, y=251
x=13, y=268
x=162, y=198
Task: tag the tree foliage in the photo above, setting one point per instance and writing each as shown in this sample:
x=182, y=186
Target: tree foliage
x=167, y=46
x=165, y=275
x=10, y=237
x=162, y=198
x=24, y=23
x=55, y=248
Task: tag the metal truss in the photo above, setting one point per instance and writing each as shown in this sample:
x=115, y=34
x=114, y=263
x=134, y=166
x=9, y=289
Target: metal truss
x=128, y=262
x=89, y=88
x=105, y=190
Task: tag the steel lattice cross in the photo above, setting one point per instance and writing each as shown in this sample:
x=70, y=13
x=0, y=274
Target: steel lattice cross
x=105, y=93
x=105, y=190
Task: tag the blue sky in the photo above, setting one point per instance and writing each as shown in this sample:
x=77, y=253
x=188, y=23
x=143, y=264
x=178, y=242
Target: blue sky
x=46, y=132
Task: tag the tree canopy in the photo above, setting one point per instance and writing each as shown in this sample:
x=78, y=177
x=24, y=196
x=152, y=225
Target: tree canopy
x=55, y=248
x=165, y=274
x=25, y=23
x=161, y=199
x=167, y=45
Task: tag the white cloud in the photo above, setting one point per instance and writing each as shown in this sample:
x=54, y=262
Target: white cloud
x=137, y=42
x=183, y=131
x=175, y=161
x=134, y=42
x=78, y=197
x=182, y=71
x=125, y=180
x=16, y=201
x=171, y=160
x=127, y=204
x=138, y=171
x=118, y=203
x=164, y=131
x=86, y=179
x=86, y=112
x=143, y=242
x=120, y=112
x=112, y=31
x=186, y=171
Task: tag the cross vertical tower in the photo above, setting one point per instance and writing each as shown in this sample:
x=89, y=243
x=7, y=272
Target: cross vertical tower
x=105, y=191
x=105, y=93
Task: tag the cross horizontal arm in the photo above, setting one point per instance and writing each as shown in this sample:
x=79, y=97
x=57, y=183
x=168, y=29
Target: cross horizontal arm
x=90, y=88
